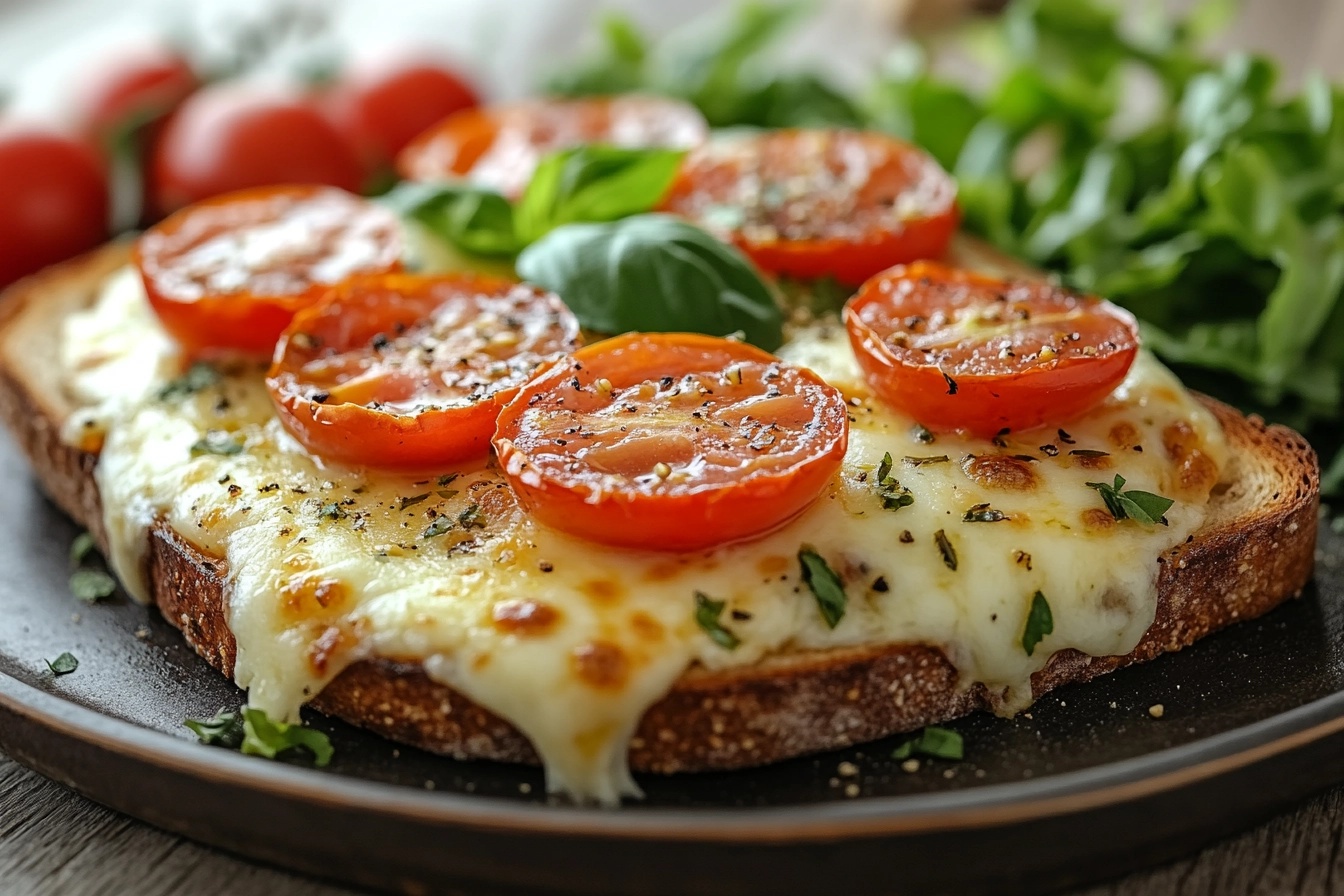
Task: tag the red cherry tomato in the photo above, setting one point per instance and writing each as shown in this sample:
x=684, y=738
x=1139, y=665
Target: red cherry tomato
x=409, y=373
x=962, y=351
x=499, y=146
x=53, y=200
x=133, y=88
x=671, y=442
x=231, y=137
x=230, y=273
x=803, y=203
x=381, y=105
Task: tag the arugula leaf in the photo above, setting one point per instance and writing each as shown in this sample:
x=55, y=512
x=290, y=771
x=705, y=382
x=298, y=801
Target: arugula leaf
x=1144, y=507
x=91, y=585
x=1040, y=622
x=264, y=737
x=654, y=273
x=825, y=585
x=476, y=220
x=593, y=184
x=63, y=664
x=934, y=742
x=224, y=729
x=707, y=614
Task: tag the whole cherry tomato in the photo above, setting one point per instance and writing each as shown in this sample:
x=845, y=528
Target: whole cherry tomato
x=53, y=197
x=132, y=88
x=229, y=137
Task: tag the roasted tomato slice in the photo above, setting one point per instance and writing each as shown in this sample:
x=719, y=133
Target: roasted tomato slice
x=229, y=273
x=671, y=442
x=499, y=146
x=409, y=372
x=813, y=203
x=963, y=351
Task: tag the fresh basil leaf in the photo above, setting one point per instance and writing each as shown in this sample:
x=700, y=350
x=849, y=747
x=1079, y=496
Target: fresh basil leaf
x=707, y=614
x=81, y=547
x=934, y=742
x=1040, y=622
x=593, y=184
x=217, y=441
x=270, y=739
x=654, y=273
x=476, y=220
x=824, y=584
x=224, y=729
x=63, y=664
x=1143, y=507
x=618, y=67
x=92, y=585
x=198, y=376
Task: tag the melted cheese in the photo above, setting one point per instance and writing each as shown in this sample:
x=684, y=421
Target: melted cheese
x=572, y=641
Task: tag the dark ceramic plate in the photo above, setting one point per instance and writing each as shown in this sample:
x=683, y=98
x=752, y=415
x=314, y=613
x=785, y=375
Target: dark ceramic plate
x=1086, y=785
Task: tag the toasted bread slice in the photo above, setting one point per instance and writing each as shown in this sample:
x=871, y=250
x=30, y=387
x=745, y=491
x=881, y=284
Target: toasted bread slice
x=1254, y=550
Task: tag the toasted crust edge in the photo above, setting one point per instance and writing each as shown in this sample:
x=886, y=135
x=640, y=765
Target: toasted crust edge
x=789, y=705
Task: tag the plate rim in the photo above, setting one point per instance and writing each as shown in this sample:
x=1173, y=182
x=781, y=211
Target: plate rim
x=979, y=807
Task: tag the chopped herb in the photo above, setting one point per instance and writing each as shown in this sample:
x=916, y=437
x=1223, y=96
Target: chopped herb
x=921, y=434
x=91, y=585
x=63, y=664
x=471, y=518
x=1065, y=437
x=263, y=737
x=1040, y=622
x=217, y=441
x=411, y=501
x=198, y=376
x=934, y=742
x=1050, y=450
x=951, y=383
x=81, y=547
x=707, y=613
x=332, y=511
x=894, y=496
x=945, y=548
x=825, y=585
x=447, y=479
x=920, y=461
x=1022, y=558
x=1145, y=507
x=224, y=729
x=447, y=493
x=998, y=438
x=1089, y=452
x=440, y=525
x=983, y=513
x=884, y=468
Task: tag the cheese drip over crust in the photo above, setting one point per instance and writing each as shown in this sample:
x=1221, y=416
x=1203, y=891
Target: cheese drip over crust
x=572, y=641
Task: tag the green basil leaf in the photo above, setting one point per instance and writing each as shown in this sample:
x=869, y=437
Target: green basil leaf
x=224, y=729
x=654, y=273
x=198, y=376
x=476, y=220
x=92, y=585
x=217, y=441
x=1143, y=507
x=63, y=664
x=934, y=742
x=707, y=614
x=264, y=737
x=593, y=184
x=81, y=547
x=1040, y=622
x=825, y=585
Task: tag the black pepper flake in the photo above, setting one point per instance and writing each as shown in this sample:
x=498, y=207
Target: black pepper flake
x=1089, y=452
x=1050, y=450
x=945, y=548
x=880, y=585
x=922, y=434
x=320, y=397
x=380, y=342
x=546, y=566
x=1066, y=438
x=234, y=490
x=951, y=383
x=1022, y=558
x=907, y=538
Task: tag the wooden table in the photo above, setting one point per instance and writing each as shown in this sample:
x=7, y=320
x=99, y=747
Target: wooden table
x=53, y=841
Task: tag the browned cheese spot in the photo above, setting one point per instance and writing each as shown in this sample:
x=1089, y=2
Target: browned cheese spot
x=309, y=594
x=328, y=646
x=771, y=566
x=1000, y=471
x=646, y=626
x=601, y=665
x=1098, y=519
x=603, y=591
x=1196, y=473
x=524, y=617
x=1124, y=436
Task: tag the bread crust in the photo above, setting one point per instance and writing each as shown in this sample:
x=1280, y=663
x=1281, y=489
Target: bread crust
x=1255, y=551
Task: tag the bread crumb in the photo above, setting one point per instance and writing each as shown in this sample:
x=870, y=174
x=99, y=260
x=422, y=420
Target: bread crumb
x=396, y=754
x=847, y=769
x=949, y=773
x=834, y=782
x=1156, y=710
x=1112, y=704
x=979, y=773
x=142, y=633
x=429, y=785
x=524, y=787
x=910, y=765
x=851, y=790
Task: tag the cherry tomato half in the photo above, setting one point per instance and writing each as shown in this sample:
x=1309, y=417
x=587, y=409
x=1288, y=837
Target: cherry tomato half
x=228, y=274
x=813, y=203
x=230, y=137
x=499, y=146
x=963, y=351
x=381, y=104
x=407, y=372
x=671, y=442
x=53, y=192
x=132, y=88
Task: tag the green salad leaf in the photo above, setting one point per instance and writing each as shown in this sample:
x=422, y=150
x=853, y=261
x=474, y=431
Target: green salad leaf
x=654, y=273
